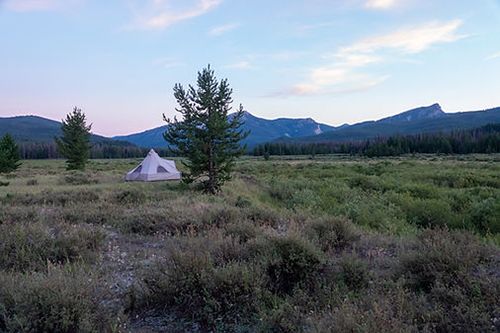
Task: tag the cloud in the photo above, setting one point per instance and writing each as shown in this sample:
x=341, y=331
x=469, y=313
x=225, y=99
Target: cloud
x=493, y=56
x=161, y=15
x=240, y=65
x=220, y=30
x=409, y=40
x=381, y=4
x=342, y=72
x=33, y=5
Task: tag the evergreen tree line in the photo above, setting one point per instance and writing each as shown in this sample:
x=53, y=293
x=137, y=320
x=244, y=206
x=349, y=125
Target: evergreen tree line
x=49, y=150
x=485, y=139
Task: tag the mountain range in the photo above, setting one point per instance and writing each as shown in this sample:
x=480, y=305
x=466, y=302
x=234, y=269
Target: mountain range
x=261, y=130
x=420, y=120
x=429, y=119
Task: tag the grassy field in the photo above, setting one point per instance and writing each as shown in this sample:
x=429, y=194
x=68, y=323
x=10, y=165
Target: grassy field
x=335, y=244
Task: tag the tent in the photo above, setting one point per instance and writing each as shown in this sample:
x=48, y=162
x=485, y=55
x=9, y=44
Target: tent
x=154, y=168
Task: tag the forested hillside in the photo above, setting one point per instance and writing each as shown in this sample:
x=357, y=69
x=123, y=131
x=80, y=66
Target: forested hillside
x=485, y=139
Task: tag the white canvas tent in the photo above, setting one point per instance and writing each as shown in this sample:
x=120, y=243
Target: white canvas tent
x=154, y=168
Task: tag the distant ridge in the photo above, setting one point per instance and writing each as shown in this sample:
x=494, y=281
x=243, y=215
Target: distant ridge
x=261, y=130
x=27, y=129
x=427, y=119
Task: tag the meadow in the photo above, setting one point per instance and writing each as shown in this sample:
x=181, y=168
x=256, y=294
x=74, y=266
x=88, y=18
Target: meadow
x=334, y=244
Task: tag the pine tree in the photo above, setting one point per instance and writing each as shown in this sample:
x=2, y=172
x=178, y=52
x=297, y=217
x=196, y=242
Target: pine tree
x=75, y=142
x=207, y=135
x=9, y=154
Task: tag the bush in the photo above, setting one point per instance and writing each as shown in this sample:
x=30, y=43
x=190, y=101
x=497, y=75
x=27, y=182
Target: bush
x=431, y=213
x=332, y=233
x=294, y=261
x=485, y=216
x=190, y=285
x=4, y=184
x=242, y=202
x=52, y=198
x=79, y=178
x=243, y=231
x=422, y=191
x=391, y=311
x=219, y=216
x=442, y=257
x=58, y=301
x=354, y=273
x=282, y=191
x=32, y=182
x=284, y=319
x=131, y=196
x=368, y=183
x=32, y=247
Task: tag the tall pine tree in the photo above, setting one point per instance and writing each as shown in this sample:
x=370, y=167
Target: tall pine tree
x=75, y=141
x=9, y=154
x=207, y=135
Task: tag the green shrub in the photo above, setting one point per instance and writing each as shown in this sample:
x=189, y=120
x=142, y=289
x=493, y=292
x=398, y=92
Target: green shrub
x=32, y=182
x=442, y=257
x=219, y=216
x=485, y=216
x=354, y=273
x=52, y=198
x=376, y=213
x=131, y=196
x=4, y=184
x=79, y=178
x=217, y=298
x=423, y=191
x=243, y=231
x=465, y=308
x=58, y=301
x=145, y=223
x=332, y=233
x=306, y=199
x=32, y=247
x=18, y=214
x=282, y=191
x=242, y=202
x=284, y=319
x=295, y=260
x=391, y=311
x=431, y=213
x=262, y=216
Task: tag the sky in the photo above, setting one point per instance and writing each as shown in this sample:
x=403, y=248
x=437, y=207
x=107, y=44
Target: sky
x=336, y=61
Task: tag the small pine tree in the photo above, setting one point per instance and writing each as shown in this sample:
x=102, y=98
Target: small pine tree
x=207, y=135
x=75, y=141
x=9, y=154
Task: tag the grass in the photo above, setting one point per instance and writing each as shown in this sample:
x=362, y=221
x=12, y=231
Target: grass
x=292, y=245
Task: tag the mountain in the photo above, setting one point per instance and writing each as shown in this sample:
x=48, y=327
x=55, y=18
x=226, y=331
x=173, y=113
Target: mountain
x=261, y=130
x=420, y=120
x=30, y=128
x=427, y=119
x=152, y=138
x=41, y=130
x=426, y=112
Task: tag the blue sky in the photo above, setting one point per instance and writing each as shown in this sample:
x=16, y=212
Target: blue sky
x=335, y=61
